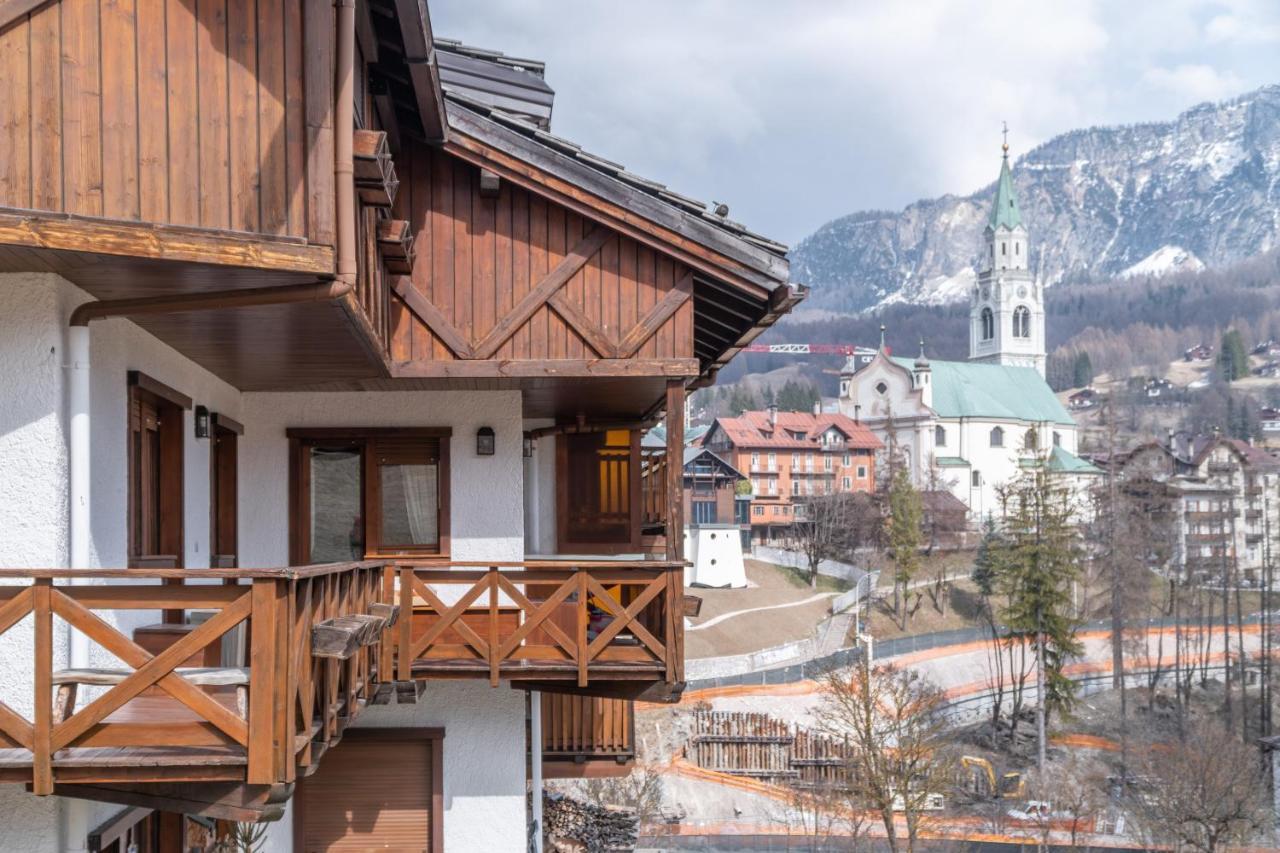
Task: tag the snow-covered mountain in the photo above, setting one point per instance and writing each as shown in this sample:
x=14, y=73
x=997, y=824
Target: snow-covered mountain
x=1136, y=201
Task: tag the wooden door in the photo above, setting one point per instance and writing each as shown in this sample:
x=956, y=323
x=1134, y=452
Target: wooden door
x=223, y=533
x=380, y=790
x=155, y=474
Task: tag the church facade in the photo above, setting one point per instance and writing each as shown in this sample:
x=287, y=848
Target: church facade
x=970, y=427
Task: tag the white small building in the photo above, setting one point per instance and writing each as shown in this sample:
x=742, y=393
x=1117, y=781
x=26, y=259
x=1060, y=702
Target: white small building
x=971, y=427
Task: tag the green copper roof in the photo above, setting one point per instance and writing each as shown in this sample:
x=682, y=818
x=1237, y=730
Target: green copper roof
x=963, y=389
x=1067, y=462
x=951, y=462
x=1005, y=211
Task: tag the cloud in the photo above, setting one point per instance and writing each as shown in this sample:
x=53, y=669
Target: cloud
x=795, y=113
x=1197, y=82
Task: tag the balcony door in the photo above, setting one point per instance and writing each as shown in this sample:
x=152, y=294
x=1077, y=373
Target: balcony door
x=155, y=473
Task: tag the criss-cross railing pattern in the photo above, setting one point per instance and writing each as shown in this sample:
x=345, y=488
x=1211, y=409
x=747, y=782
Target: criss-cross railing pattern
x=549, y=617
x=296, y=702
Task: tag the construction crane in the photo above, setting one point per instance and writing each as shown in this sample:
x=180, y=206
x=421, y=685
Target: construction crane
x=812, y=349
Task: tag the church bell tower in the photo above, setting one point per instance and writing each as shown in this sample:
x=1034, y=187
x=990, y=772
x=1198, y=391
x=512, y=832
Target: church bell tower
x=1006, y=308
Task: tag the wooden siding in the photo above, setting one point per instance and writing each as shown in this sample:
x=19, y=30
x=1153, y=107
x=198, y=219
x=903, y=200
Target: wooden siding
x=479, y=259
x=186, y=112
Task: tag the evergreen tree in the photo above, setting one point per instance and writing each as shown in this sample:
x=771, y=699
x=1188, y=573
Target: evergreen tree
x=1082, y=371
x=1233, y=358
x=769, y=399
x=1041, y=560
x=986, y=563
x=905, y=515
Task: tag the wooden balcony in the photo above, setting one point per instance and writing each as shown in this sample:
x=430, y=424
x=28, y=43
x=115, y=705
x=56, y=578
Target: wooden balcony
x=577, y=622
x=586, y=736
x=158, y=720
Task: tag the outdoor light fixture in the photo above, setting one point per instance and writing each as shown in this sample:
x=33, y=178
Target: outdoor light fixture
x=484, y=441
x=528, y=445
x=202, y=422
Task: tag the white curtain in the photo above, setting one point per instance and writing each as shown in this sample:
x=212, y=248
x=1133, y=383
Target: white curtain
x=420, y=502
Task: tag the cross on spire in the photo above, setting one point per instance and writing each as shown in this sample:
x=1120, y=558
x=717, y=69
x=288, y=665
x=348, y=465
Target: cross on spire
x=1005, y=132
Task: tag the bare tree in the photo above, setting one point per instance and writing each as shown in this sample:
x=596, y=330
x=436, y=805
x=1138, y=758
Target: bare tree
x=1206, y=791
x=894, y=724
x=832, y=527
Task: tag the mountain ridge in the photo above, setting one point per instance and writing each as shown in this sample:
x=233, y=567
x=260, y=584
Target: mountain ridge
x=1098, y=201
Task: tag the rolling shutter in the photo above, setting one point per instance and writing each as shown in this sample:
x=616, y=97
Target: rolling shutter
x=369, y=795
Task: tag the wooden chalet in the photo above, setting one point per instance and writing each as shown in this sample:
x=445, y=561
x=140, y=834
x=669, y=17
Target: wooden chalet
x=324, y=366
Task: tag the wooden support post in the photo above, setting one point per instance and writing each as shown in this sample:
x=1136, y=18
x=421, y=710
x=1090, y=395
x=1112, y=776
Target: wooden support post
x=584, y=616
x=385, y=650
x=41, y=753
x=286, y=684
x=493, y=626
x=262, y=690
x=675, y=530
x=404, y=655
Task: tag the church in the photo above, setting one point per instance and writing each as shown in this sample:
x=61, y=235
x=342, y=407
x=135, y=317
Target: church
x=972, y=426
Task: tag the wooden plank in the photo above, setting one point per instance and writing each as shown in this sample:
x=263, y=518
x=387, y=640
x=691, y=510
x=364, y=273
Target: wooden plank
x=431, y=316
x=184, y=121
x=153, y=130
x=577, y=319
x=11, y=11
x=242, y=117
x=119, y=110
x=42, y=732
x=318, y=75
x=272, y=160
x=675, y=522
x=580, y=652
x=295, y=134
x=553, y=281
x=676, y=367
x=215, y=124
x=81, y=107
x=77, y=234
x=192, y=597
x=656, y=318
x=46, y=110
x=404, y=646
x=261, y=770
x=15, y=110
x=493, y=628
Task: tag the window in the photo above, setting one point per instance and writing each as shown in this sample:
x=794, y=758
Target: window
x=1031, y=441
x=1004, y=248
x=939, y=436
x=370, y=492
x=975, y=479
x=997, y=437
x=1057, y=439
x=988, y=324
x=847, y=461
x=795, y=461
x=704, y=512
x=862, y=472
x=155, y=466
x=827, y=463
x=882, y=388
x=757, y=510
x=808, y=462
x=773, y=462
x=795, y=487
x=755, y=461
x=848, y=483
x=773, y=485
x=1021, y=322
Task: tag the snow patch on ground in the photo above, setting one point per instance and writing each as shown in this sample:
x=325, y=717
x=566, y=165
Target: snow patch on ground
x=1165, y=260
x=938, y=290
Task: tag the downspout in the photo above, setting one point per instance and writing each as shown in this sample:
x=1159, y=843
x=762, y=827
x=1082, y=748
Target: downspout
x=344, y=122
x=535, y=768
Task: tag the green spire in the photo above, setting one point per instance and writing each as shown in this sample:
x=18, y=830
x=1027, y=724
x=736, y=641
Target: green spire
x=1005, y=211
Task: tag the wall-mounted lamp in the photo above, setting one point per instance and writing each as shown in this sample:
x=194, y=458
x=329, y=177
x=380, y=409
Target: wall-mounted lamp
x=528, y=445
x=484, y=441
x=202, y=422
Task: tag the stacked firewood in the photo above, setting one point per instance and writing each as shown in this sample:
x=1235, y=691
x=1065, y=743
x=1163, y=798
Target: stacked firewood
x=572, y=826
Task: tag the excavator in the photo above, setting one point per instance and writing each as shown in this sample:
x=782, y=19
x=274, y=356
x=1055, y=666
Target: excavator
x=981, y=780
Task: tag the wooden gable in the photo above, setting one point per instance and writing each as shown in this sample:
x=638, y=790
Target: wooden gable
x=508, y=275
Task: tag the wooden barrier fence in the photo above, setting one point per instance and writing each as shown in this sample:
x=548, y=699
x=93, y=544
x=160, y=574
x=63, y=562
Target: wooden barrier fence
x=765, y=748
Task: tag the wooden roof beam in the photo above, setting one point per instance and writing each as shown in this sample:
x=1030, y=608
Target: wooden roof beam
x=420, y=55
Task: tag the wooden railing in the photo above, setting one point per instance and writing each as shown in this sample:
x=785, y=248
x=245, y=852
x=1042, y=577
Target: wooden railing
x=156, y=719
x=587, y=728
x=653, y=489
x=586, y=621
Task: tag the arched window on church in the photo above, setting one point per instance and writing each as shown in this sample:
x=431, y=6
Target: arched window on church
x=988, y=324
x=1021, y=322
x=939, y=436
x=997, y=437
x=1031, y=441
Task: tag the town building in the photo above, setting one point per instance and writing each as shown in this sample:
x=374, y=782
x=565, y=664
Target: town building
x=324, y=366
x=794, y=455
x=973, y=427
x=1215, y=498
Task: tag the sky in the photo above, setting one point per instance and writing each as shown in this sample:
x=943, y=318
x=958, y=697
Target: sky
x=794, y=113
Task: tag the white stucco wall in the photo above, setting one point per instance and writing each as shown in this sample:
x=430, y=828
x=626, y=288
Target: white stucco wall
x=484, y=747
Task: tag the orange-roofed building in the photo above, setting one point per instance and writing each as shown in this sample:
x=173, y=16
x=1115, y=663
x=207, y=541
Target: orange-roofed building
x=790, y=456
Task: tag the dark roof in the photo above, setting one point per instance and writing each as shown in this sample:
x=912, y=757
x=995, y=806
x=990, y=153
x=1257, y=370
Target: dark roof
x=691, y=454
x=514, y=86
x=463, y=105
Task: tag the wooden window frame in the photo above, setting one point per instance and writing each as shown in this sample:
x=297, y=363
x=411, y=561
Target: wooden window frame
x=433, y=734
x=172, y=450
x=366, y=438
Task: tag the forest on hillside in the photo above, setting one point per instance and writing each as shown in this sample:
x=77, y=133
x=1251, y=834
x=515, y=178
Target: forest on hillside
x=1126, y=326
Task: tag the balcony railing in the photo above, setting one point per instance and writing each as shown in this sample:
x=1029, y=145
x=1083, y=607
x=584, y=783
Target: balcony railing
x=156, y=719
x=542, y=619
x=580, y=729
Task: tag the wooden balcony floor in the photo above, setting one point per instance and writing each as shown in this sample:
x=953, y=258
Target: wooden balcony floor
x=539, y=669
